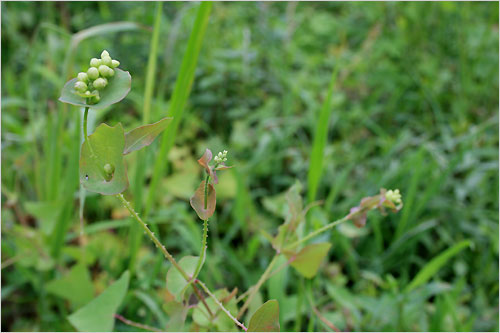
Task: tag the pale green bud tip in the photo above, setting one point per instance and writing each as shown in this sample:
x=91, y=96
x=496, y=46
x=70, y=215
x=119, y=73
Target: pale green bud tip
x=109, y=169
x=394, y=196
x=83, y=77
x=94, y=62
x=107, y=61
x=100, y=83
x=104, y=70
x=115, y=63
x=93, y=73
x=80, y=86
x=104, y=54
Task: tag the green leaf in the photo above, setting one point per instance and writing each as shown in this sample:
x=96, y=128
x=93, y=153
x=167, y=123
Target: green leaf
x=46, y=213
x=266, y=318
x=308, y=260
x=144, y=135
x=431, y=268
x=175, y=281
x=177, y=313
x=116, y=90
x=104, y=146
x=76, y=286
x=198, y=201
x=98, y=315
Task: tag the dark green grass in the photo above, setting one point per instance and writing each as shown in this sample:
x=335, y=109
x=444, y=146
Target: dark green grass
x=414, y=107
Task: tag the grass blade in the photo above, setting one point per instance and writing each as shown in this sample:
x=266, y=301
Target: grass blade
x=429, y=270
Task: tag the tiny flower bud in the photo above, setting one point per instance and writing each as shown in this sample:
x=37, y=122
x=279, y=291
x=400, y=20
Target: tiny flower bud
x=87, y=93
x=115, y=63
x=393, y=196
x=93, y=73
x=106, y=61
x=94, y=62
x=83, y=77
x=108, y=171
x=96, y=98
x=104, y=54
x=111, y=73
x=80, y=86
x=104, y=70
x=100, y=83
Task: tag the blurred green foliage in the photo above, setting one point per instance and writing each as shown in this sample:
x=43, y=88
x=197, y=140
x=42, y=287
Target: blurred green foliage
x=415, y=107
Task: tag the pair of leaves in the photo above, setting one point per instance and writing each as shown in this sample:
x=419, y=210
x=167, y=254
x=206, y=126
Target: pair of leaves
x=98, y=315
x=116, y=90
x=107, y=145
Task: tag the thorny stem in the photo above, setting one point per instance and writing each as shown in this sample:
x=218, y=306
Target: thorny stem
x=262, y=279
x=203, y=252
x=138, y=325
x=202, y=285
x=162, y=248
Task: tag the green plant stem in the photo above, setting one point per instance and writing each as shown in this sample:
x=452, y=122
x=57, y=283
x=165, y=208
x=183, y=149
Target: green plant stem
x=85, y=116
x=205, y=201
x=203, y=251
x=262, y=279
x=137, y=325
x=204, y=287
x=162, y=248
x=317, y=232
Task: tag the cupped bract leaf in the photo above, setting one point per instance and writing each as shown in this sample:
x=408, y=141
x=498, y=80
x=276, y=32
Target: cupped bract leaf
x=116, y=90
x=98, y=315
x=144, y=135
x=308, y=260
x=266, y=318
x=175, y=281
x=104, y=146
x=198, y=201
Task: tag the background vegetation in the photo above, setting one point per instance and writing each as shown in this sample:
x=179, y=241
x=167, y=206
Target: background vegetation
x=414, y=106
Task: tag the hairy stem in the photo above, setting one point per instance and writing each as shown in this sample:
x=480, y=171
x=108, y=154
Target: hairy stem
x=138, y=325
x=255, y=289
x=162, y=248
x=204, y=287
x=203, y=252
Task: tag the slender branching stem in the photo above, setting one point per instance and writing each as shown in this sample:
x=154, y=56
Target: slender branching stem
x=204, y=287
x=262, y=279
x=162, y=248
x=138, y=325
x=317, y=232
x=267, y=273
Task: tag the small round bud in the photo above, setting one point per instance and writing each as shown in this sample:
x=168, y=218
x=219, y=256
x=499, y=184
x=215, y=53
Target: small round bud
x=107, y=61
x=82, y=76
x=93, y=73
x=96, y=98
x=87, y=93
x=115, y=63
x=104, y=54
x=100, y=83
x=104, y=70
x=109, y=169
x=111, y=73
x=94, y=62
x=80, y=86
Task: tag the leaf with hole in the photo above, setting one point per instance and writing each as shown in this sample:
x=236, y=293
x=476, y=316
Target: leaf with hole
x=266, y=318
x=175, y=281
x=308, y=260
x=116, y=90
x=104, y=146
x=98, y=315
x=204, y=210
x=144, y=135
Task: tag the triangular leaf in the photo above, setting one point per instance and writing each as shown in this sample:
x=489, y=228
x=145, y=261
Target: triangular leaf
x=144, y=135
x=175, y=281
x=46, y=213
x=104, y=146
x=308, y=260
x=116, y=90
x=76, y=286
x=198, y=201
x=98, y=315
x=266, y=318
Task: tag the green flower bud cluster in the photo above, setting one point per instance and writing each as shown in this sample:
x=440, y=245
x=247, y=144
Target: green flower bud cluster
x=96, y=78
x=221, y=157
